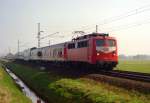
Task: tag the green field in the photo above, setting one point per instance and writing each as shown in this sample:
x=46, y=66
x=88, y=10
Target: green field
x=134, y=65
x=59, y=89
x=9, y=93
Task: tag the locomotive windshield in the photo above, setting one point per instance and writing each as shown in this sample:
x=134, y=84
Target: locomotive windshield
x=102, y=42
x=111, y=43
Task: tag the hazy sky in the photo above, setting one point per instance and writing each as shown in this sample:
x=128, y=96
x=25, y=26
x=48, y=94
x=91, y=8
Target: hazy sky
x=19, y=18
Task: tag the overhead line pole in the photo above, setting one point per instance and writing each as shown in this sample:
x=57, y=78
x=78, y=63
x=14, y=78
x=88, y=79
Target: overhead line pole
x=39, y=33
x=18, y=47
x=49, y=42
x=9, y=50
x=96, y=28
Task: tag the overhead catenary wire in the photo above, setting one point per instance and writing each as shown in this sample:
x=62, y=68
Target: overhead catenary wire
x=112, y=19
x=124, y=27
x=49, y=35
x=119, y=17
x=120, y=27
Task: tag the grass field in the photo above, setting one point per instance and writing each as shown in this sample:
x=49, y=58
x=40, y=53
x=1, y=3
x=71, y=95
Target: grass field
x=59, y=89
x=134, y=65
x=9, y=93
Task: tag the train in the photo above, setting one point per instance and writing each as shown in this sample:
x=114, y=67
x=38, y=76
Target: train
x=96, y=50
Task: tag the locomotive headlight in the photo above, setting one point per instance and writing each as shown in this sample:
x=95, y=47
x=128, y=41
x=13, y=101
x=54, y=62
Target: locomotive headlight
x=98, y=54
x=114, y=53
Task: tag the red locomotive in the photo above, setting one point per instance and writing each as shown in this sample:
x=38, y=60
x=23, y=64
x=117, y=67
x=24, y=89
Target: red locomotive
x=96, y=49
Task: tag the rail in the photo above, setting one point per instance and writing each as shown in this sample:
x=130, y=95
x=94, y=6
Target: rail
x=144, y=77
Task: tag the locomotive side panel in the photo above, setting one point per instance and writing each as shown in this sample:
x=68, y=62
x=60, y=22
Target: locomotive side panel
x=78, y=51
x=80, y=54
x=91, y=51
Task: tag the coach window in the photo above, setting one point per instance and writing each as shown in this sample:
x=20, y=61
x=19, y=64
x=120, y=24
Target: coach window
x=49, y=53
x=54, y=52
x=45, y=52
x=60, y=53
x=71, y=46
x=39, y=53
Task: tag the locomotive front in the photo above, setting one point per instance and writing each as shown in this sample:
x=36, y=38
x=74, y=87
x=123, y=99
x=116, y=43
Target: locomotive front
x=105, y=52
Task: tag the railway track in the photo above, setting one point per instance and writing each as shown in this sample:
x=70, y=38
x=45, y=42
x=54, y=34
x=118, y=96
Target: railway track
x=76, y=72
x=144, y=77
x=128, y=80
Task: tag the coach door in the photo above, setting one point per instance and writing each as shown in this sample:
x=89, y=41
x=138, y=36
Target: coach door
x=90, y=50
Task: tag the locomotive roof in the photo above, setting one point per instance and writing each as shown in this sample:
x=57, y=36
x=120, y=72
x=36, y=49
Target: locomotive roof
x=91, y=35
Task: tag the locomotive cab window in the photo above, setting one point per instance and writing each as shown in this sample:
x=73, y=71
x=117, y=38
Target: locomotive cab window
x=82, y=44
x=111, y=43
x=100, y=42
x=71, y=46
